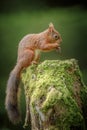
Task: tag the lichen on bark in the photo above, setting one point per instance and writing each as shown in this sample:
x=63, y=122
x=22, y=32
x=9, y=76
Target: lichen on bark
x=56, y=95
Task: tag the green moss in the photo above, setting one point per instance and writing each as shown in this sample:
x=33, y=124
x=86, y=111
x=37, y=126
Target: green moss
x=57, y=83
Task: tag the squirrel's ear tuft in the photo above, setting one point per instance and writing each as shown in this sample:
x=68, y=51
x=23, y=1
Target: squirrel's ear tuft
x=51, y=27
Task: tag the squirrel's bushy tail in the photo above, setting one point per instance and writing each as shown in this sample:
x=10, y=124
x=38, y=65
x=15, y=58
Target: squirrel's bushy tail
x=11, y=103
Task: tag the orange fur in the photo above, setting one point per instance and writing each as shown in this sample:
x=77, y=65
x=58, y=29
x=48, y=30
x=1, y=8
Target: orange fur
x=28, y=52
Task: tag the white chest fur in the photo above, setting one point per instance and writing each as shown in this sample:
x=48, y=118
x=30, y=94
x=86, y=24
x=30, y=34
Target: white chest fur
x=37, y=53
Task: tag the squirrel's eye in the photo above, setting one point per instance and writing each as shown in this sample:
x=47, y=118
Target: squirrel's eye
x=56, y=37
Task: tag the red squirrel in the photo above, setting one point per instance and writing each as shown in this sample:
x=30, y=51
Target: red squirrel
x=28, y=52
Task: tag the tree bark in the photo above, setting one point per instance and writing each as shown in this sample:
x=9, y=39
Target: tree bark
x=56, y=97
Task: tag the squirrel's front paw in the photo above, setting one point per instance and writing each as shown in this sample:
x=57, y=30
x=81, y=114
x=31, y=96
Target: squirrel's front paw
x=58, y=49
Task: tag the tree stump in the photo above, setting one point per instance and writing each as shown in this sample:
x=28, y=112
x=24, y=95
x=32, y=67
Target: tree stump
x=56, y=97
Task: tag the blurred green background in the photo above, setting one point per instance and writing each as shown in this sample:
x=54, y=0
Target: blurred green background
x=20, y=17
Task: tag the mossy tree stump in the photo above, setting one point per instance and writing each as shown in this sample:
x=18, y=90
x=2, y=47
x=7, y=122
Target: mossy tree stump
x=55, y=95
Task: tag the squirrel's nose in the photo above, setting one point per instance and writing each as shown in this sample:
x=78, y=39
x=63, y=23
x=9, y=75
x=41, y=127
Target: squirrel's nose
x=60, y=39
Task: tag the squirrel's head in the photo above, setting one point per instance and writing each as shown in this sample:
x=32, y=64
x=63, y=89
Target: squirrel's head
x=53, y=34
